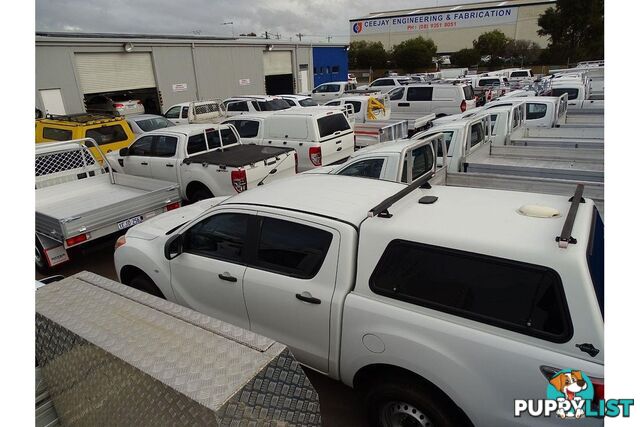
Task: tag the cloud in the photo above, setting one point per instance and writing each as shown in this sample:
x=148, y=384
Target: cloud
x=316, y=19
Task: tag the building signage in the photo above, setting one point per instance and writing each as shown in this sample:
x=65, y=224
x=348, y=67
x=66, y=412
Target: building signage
x=436, y=21
x=179, y=87
x=244, y=82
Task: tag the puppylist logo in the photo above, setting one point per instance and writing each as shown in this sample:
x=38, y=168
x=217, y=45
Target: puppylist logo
x=357, y=27
x=572, y=395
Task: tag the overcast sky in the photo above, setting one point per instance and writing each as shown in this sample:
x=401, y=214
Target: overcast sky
x=315, y=19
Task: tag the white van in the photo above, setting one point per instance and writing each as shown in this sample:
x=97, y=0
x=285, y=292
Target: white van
x=439, y=99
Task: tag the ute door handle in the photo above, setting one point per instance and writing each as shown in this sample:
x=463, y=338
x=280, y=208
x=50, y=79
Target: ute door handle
x=144, y=163
x=403, y=104
x=306, y=297
x=169, y=165
x=227, y=277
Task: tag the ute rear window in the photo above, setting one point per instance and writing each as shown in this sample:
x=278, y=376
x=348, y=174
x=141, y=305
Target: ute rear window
x=512, y=295
x=331, y=124
x=520, y=74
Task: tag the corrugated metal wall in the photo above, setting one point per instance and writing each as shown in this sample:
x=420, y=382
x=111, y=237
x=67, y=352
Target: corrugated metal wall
x=183, y=71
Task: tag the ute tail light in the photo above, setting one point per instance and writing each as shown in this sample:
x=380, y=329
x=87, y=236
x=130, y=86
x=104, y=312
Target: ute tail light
x=598, y=389
x=295, y=158
x=118, y=105
x=172, y=206
x=139, y=102
x=239, y=180
x=315, y=155
x=463, y=106
x=72, y=241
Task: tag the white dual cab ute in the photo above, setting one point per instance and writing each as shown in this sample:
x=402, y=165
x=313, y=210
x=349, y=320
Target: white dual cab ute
x=385, y=84
x=78, y=201
x=319, y=135
x=375, y=122
x=205, y=160
x=435, y=325
x=212, y=111
x=330, y=90
x=254, y=103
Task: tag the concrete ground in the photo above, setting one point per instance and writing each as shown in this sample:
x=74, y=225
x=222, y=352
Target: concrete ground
x=339, y=404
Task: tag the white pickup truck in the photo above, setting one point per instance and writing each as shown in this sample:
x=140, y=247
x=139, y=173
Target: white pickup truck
x=212, y=111
x=423, y=300
x=531, y=163
x=376, y=121
x=205, y=160
x=78, y=201
x=320, y=135
x=540, y=111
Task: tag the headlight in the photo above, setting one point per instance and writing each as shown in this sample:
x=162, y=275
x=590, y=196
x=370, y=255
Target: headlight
x=121, y=241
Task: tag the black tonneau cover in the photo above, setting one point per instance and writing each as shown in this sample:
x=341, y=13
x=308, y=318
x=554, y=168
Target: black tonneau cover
x=238, y=155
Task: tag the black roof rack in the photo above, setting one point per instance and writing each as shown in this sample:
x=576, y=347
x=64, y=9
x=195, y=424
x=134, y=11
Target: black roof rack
x=381, y=209
x=565, y=238
x=83, y=117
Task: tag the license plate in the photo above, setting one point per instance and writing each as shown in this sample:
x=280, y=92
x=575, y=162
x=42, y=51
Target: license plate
x=129, y=222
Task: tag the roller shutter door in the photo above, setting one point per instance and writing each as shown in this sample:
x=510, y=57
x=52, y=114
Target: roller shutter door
x=276, y=63
x=111, y=72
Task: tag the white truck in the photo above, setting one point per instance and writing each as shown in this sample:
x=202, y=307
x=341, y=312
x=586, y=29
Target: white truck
x=385, y=84
x=78, y=201
x=579, y=96
x=254, y=103
x=320, y=135
x=533, y=164
x=205, y=160
x=375, y=120
x=438, y=307
x=330, y=90
x=212, y=111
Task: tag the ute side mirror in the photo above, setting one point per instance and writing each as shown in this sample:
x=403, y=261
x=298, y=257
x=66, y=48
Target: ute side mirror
x=124, y=152
x=173, y=247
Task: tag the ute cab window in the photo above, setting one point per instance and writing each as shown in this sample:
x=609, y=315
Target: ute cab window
x=173, y=113
x=221, y=236
x=368, y=168
x=571, y=93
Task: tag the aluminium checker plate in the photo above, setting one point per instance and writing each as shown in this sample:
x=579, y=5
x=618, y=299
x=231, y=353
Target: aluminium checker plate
x=111, y=355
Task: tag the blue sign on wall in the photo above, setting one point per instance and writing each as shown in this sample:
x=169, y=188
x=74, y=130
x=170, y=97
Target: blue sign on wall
x=330, y=64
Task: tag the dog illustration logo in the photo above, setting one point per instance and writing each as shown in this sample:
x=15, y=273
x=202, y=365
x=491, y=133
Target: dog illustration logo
x=572, y=386
x=357, y=27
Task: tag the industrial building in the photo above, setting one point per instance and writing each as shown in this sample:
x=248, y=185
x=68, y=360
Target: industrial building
x=453, y=27
x=165, y=70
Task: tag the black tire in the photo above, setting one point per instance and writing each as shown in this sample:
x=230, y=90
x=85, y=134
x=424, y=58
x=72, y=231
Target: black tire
x=41, y=261
x=408, y=402
x=143, y=283
x=200, y=194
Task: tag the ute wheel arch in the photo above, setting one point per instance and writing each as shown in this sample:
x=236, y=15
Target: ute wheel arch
x=138, y=279
x=367, y=377
x=197, y=191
